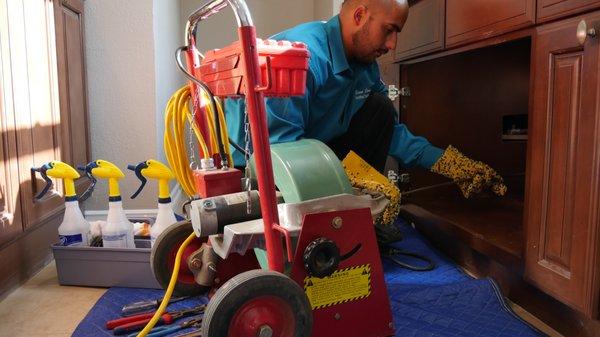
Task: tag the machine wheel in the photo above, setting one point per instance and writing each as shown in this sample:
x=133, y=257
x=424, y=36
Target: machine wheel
x=259, y=303
x=162, y=259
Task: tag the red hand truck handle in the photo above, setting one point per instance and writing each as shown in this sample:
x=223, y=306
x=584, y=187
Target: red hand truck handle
x=255, y=104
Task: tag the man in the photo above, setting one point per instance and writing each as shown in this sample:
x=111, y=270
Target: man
x=345, y=105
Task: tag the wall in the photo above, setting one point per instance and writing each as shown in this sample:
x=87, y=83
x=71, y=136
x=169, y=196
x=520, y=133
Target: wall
x=121, y=89
x=168, y=77
x=324, y=9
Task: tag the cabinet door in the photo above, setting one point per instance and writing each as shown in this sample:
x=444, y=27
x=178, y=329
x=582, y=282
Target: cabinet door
x=552, y=9
x=68, y=17
x=10, y=205
x=35, y=101
x=423, y=31
x=562, y=217
x=473, y=20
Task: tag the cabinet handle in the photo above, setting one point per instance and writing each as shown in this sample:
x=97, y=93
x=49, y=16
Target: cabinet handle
x=583, y=32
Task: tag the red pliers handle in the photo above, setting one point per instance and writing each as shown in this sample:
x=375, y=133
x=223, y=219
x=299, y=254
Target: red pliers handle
x=124, y=325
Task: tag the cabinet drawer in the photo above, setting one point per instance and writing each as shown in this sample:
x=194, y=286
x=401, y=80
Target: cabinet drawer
x=423, y=31
x=479, y=19
x=553, y=9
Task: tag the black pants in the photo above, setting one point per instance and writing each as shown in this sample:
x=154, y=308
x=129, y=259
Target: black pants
x=370, y=132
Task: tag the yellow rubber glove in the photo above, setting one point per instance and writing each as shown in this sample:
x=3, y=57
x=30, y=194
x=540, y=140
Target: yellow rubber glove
x=363, y=176
x=470, y=175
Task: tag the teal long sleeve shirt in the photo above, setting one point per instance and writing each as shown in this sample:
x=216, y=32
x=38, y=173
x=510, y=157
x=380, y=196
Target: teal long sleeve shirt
x=335, y=90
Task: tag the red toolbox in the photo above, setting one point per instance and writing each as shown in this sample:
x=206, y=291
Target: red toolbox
x=283, y=66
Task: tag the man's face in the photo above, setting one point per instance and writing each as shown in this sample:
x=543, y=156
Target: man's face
x=378, y=32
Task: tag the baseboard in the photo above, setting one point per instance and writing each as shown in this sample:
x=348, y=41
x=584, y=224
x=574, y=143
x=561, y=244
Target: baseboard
x=24, y=257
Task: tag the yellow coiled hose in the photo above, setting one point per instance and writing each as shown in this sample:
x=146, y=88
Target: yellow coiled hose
x=177, y=114
x=165, y=301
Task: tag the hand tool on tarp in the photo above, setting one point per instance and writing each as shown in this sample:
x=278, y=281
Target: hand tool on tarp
x=193, y=333
x=167, y=330
x=124, y=325
x=146, y=306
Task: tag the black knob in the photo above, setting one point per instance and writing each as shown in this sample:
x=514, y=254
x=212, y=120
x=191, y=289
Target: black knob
x=321, y=257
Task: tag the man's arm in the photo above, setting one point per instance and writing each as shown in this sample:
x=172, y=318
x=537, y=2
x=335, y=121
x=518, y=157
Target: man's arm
x=411, y=150
x=287, y=117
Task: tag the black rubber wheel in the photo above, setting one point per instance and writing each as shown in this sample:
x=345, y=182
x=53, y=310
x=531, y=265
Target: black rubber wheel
x=162, y=259
x=258, y=299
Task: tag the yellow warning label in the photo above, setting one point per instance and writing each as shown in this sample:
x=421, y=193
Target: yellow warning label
x=344, y=285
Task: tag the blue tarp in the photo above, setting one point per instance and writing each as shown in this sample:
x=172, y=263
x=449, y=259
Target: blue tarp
x=441, y=302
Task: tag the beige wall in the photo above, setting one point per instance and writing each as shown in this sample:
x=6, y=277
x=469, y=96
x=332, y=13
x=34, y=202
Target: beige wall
x=324, y=9
x=121, y=90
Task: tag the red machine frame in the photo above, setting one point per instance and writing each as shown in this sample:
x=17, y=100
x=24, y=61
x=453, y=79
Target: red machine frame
x=367, y=317
x=255, y=105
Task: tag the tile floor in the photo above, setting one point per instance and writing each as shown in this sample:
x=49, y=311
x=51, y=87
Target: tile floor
x=41, y=307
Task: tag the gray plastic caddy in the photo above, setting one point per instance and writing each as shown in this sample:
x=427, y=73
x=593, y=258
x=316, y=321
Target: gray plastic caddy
x=105, y=267
x=108, y=267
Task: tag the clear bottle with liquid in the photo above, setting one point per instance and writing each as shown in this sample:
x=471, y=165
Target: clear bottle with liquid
x=118, y=230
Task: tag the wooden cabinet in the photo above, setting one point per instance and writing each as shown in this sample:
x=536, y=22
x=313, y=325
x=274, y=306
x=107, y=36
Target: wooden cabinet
x=562, y=221
x=10, y=206
x=29, y=104
x=68, y=16
x=547, y=238
x=478, y=19
x=42, y=118
x=551, y=9
x=10, y=216
x=34, y=87
x=423, y=31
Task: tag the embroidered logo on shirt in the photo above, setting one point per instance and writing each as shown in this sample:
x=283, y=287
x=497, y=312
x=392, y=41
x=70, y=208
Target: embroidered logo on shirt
x=362, y=93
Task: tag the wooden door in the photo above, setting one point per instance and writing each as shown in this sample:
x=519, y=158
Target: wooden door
x=563, y=205
x=552, y=9
x=10, y=205
x=68, y=16
x=35, y=102
x=478, y=19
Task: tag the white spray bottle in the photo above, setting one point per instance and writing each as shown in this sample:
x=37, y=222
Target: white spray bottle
x=74, y=229
x=154, y=169
x=118, y=231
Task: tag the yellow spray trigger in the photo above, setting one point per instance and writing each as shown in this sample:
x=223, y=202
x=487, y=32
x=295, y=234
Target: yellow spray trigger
x=106, y=170
x=153, y=169
x=60, y=170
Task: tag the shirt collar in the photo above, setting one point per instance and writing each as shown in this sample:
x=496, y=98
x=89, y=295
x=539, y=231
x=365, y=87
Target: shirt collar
x=336, y=46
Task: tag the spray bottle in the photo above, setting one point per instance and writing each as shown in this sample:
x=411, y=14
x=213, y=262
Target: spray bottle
x=154, y=169
x=118, y=231
x=74, y=229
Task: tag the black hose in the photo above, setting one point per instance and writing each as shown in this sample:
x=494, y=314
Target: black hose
x=218, y=131
x=237, y=147
x=217, y=126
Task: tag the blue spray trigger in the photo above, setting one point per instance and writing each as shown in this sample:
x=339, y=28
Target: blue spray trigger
x=42, y=170
x=138, y=173
x=87, y=169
